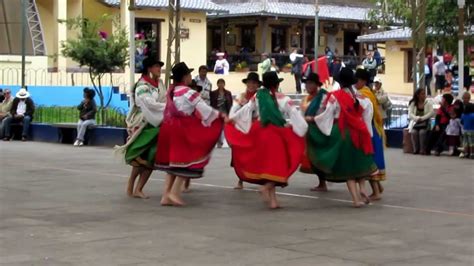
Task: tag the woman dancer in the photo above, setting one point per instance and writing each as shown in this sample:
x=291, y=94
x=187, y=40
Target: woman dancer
x=340, y=143
x=310, y=107
x=378, y=137
x=252, y=83
x=147, y=102
x=267, y=151
x=190, y=131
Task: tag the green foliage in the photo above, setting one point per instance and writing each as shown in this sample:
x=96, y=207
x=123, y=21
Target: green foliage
x=441, y=19
x=57, y=114
x=90, y=49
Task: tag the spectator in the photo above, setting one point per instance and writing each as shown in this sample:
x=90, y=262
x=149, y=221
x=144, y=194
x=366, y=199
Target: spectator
x=2, y=95
x=428, y=77
x=384, y=100
x=22, y=110
x=5, y=107
x=377, y=57
x=453, y=133
x=335, y=69
x=439, y=71
x=87, y=110
x=438, y=136
x=370, y=65
x=205, y=83
x=221, y=100
x=274, y=66
x=329, y=55
x=222, y=65
x=265, y=65
x=420, y=113
x=297, y=60
x=467, y=120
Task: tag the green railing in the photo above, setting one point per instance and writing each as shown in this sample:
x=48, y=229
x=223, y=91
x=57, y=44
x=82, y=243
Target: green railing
x=113, y=117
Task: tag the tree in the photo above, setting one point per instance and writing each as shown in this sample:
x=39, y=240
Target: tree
x=99, y=52
x=441, y=19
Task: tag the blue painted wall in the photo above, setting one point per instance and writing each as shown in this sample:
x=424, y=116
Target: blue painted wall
x=67, y=96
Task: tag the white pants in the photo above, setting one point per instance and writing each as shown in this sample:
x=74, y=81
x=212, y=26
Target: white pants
x=82, y=127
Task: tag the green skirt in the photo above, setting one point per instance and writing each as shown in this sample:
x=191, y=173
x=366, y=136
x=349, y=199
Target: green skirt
x=336, y=156
x=143, y=150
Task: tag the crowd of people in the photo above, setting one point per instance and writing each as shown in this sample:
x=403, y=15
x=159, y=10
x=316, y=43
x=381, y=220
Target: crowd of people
x=335, y=135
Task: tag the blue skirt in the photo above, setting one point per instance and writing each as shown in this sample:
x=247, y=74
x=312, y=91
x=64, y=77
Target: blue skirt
x=378, y=156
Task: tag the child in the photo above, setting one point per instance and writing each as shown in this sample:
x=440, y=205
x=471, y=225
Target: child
x=453, y=132
x=467, y=120
x=437, y=138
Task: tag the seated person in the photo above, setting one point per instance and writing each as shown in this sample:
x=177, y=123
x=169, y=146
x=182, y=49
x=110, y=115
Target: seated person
x=5, y=107
x=438, y=135
x=87, y=110
x=22, y=110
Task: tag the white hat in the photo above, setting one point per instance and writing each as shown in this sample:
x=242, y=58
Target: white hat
x=220, y=54
x=377, y=79
x=22, y=94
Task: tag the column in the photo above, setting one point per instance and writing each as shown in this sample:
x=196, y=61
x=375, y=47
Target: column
x=60, y=13
x=127, y=21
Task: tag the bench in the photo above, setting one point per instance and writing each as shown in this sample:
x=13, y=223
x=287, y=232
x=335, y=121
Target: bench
x=67, y=132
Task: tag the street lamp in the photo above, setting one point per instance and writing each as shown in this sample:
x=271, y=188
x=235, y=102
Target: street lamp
x=316, y=34
x=461, y=4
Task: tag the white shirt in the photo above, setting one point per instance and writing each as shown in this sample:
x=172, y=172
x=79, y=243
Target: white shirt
x=454, y=127
x=21, y=109
x=222, y=64
x=439, y=68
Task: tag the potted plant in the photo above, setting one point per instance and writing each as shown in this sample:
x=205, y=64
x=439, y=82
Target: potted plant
x=286, y=68
x=242, y=67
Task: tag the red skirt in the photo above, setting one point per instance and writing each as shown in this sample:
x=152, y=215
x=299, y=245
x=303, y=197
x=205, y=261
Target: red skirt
x=265, y=154
x=185, y=145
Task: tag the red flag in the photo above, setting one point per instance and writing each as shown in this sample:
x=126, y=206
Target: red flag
x=323, y=70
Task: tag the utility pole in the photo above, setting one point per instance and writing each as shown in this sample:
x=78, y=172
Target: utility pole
x=131, y=39
x=461, y=5
x=316, y=34
x=23, y=41
x=174, y=17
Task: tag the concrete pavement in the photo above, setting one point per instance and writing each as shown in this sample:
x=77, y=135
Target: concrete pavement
x=61, y=205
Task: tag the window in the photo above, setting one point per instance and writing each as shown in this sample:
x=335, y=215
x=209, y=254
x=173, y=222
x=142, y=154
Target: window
x=147, y=39
x=278, y=39
x=216, y=39
x=248, y=38
x=408, y=66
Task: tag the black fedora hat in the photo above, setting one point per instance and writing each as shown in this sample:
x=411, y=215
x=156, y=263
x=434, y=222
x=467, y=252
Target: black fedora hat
x=252, y=76
x=346, y=77
x=362, y=74
x=180, y=70
x=271, y=79
x=314, y=78
x=151, y=61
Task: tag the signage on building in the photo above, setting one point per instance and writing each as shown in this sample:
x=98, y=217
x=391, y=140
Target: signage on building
x=194, y=20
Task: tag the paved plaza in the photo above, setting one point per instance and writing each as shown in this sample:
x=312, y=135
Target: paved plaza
x=61, y=205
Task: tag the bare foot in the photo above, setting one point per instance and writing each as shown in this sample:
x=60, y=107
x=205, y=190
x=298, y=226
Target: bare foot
x=319, y=189
x=165, y=201
x=176, y=200
x=273, y=204
x=357, y=204
x=365, y=198
x=186, y=190
x=264, y=193
x=140, y=195
x=239, y=186
x=130, y=192
x=375, y=197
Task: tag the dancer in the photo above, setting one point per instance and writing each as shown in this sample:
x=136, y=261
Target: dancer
x=252, y=83
x=267, y=151
x=190, y=131
x=310, y=107
x=340, y=144
x=147, y=103
x=378, y=137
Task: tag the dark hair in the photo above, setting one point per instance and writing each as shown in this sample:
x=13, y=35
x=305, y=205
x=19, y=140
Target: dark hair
x=89, y=93
x=203, y=67
x=448, y=98
x=416, y=96
x=221, y=80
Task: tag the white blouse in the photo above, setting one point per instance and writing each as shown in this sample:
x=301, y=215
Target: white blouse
x=243, y=117
x=151, y=101
x=325, y=120
x=187, y=101
x=222, y=64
